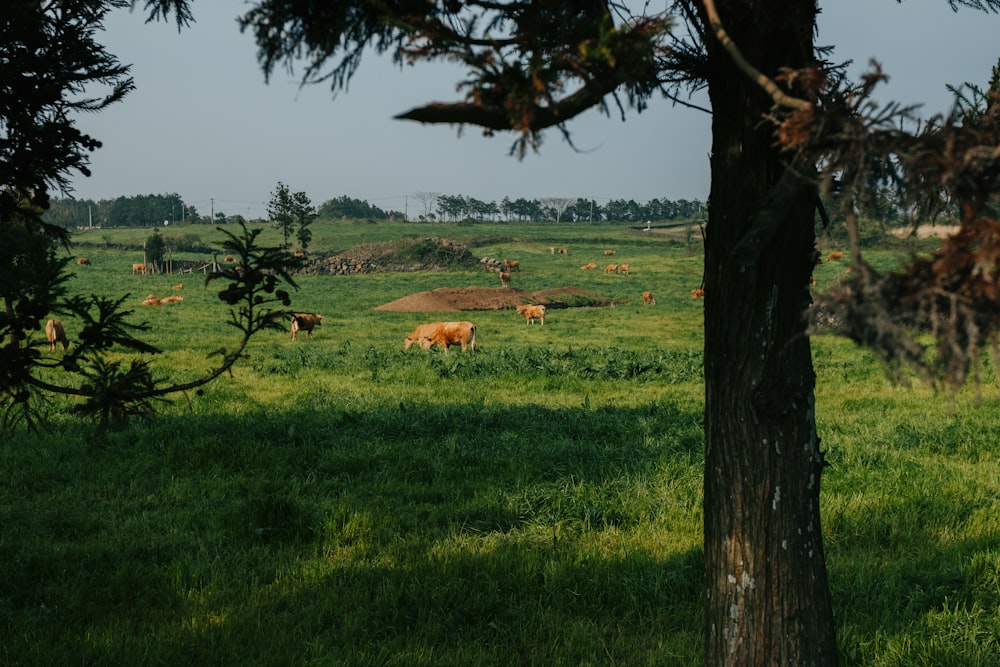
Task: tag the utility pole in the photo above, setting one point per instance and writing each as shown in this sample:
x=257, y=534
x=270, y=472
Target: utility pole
x=213, y=208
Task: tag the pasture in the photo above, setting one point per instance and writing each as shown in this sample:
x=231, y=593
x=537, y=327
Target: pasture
x=342, y=501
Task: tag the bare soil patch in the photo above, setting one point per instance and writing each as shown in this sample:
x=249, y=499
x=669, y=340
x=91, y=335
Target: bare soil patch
x=454, y=299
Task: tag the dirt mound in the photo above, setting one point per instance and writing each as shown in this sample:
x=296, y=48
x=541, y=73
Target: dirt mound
x=450, y=299
x=403, y=255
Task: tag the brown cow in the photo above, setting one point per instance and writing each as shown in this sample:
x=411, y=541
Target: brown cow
x=423, y=331
x=611, y=268
x=138, y=267
x=697, y=293
x=608, y=253
x=624, y=269
x=179, y=286
x=305, y=322
x=509, y=264
x=151, y=300
x=563, y=251
x=532, y=312
x=505, y=278
x=56, y=333
x=443, y=334
x=229, y=259
x=835, y=256
x=648, y=299
x=587, y=267
x=83, y=261
x=173, y=298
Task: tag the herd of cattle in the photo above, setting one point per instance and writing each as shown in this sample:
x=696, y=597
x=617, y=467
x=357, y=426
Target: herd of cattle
x=442, y=334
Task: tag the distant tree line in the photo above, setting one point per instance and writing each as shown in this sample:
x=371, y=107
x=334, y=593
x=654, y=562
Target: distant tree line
x=554, y=209
x=154, y=210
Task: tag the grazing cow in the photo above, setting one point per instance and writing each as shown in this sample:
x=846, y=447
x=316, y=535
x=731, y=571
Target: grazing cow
x=552, y=250
x=505, y=278
x=835, y=256
x=229, y=259
x=648, y=299
x=55, y=333
x=587, y=267
x=83, y=261
x=563, y=251
x=698, y=293
x=173, y=298
x=608, y=253
x=179, y=286
x=611, y=268
x=151, y=300
x=422, y=332
x=509, y=264
x=532, y=312
x=443, y=334
x=624, y=268
x=139, y=268
x=305, y=322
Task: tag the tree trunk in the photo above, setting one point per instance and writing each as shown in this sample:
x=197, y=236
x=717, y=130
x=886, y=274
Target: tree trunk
x=768, y=600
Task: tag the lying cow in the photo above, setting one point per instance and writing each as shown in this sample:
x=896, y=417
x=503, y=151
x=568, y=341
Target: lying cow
x=305, y=322
x=443, y=334
x=532, y=312
x=56, y=333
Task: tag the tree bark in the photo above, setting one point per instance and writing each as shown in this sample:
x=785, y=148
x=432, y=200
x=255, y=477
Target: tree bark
x=767, y=598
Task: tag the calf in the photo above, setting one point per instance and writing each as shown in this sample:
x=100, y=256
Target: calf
x=55, y=333
x=82, y=261
x=511, y=264
x=505, y=278
x=532, y=312
x=443, y=334
x=305, y=322
x=648, y=299
x=697, y=293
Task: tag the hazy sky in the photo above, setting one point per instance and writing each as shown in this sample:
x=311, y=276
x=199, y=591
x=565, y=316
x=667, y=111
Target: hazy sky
x=202, y=122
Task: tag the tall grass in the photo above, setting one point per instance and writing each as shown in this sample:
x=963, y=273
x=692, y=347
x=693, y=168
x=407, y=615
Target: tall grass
x=342, y=501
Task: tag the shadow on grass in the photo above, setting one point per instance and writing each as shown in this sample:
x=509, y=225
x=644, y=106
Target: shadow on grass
x=406, y=534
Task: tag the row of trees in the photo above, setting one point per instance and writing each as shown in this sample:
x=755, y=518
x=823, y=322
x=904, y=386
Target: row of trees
x=136, y=211
x=154, y=210
x=560, y=209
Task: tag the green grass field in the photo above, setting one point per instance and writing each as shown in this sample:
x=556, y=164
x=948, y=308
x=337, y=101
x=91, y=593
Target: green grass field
x=341, y=501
